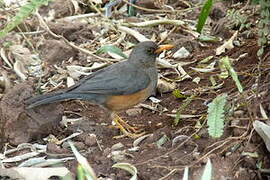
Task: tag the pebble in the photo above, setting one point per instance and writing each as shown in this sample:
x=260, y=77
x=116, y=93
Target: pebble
x=134, y=111
x=90, y=140
x=117, y=146
x=118, y=156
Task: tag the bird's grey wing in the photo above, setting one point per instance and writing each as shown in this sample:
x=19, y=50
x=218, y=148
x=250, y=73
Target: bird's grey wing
x=118, y=79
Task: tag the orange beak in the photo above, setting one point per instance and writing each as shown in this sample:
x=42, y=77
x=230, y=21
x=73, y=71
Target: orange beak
x=163, y=47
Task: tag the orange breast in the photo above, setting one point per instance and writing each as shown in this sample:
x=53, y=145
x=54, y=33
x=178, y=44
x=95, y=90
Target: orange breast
x=121, y=102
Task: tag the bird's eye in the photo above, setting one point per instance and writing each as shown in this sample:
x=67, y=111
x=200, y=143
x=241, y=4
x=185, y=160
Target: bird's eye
x=150, y=51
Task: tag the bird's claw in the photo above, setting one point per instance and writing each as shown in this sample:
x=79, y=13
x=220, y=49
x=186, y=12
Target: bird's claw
x=126, y=129
x=130, y=135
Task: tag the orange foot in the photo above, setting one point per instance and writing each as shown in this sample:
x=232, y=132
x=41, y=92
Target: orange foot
x=125, y=128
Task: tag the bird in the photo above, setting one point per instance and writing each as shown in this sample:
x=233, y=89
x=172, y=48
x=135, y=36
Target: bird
x=116, y=87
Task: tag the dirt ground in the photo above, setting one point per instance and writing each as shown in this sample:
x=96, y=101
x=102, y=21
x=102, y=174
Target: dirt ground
x=168, y=148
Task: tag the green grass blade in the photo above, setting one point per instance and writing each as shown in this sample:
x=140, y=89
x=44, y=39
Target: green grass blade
x=87, y=172
x=207, y=173
x=181, y=108
x=203, y=15
x=80, y=173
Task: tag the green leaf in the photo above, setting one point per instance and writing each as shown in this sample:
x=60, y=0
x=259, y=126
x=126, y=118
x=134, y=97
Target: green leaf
x=226, y=62
x=181, y=108
x=80, y=173
x=162, y=141
x=177, y=93
x=260, y=52
x=177, y=118
x=266, y=30
x=255, y=2
x=213, y=81
x=263, y=25
x=24, y=12
x=215, y=116
x=131, y=11
x=196, y=136
x=88, y=172
x=113, y=49
x=207, y=173
x=203, y=15
x=205, y=60
x=262, y=40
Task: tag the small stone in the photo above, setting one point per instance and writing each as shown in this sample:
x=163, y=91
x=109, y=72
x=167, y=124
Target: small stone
x=117, y=146
x=118, y=156
x=90, y=140
x=218, y=11
x=134, y=111
x=264, y=131
x=181, y=53
x=55, y=149
x=77, y=144
x=237, y=43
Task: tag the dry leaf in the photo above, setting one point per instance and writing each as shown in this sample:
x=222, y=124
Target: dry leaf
x=166, y=64
x=227, y=45
x=5, y=81
x=70, y=81
x=154, y=100
x=264, y=131
x=97, y=1
x=30, y=62
x=134, y=33
x=76, y=6
x=184, y=74
x=209, y=68
x=20, y=70
x=181, y=53
x=25, y=173
x=115, y=56
x=165, y=86
x=163, y=35
x=4, y=57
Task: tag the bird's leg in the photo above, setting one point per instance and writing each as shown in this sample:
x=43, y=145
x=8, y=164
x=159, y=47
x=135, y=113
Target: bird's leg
x=125, y=128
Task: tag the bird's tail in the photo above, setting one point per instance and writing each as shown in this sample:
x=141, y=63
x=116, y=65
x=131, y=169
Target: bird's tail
x=47, y=99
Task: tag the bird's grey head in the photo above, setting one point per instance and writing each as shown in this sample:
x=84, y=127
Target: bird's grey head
x=144, y=53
